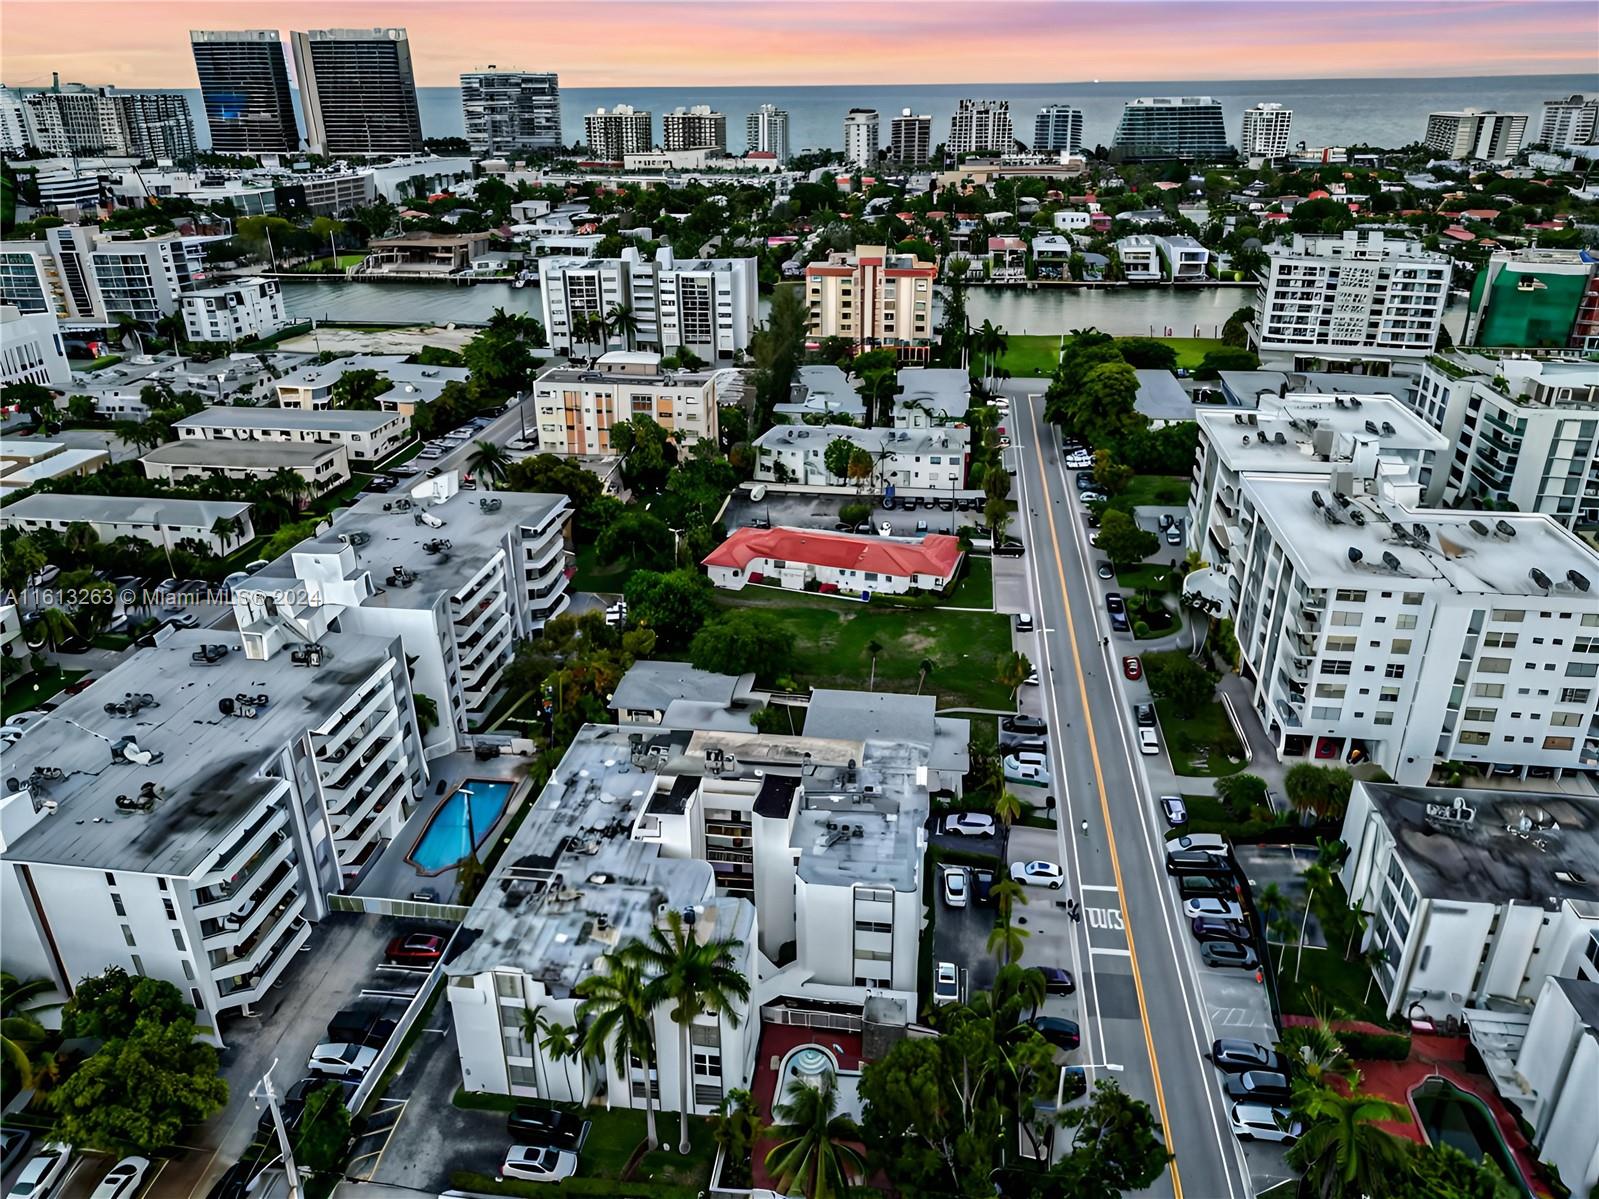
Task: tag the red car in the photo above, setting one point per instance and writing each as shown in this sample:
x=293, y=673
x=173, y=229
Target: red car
x=1133, y=668
x=417, y=949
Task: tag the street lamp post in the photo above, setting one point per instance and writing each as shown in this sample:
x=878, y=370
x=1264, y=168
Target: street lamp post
x=263, y=1091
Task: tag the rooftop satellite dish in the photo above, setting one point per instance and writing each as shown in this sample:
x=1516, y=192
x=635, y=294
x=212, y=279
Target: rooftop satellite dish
x=1539, y=578
x=1577, y=579
x=1420, y=530
x=1356, y=515
x=1390, y=560
x=1354, y=554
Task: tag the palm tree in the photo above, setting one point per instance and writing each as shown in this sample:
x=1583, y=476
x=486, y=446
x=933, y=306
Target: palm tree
x=622, y=319
x=1343, y=1153
x=225, y=529
x=815, y=1155
x=1272, y=903
x=489, y=462
x=1372, y=957
x=1359, y=918
x=56, y=627
x=1318, y=877
x=926, y=668
x=737, y=1127
x=873, y=647
x=617, y=1010
x=990, y=341
x=289, y=485
x=1007, y=808
x=1012, y=669
x=697, y=978
x=1313, y=1051
x=558, y=1042
x=1015, y=990
x=1006, y=942
x=21, y=1034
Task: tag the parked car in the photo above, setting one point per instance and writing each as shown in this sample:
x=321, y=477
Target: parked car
x=1209, y=842
x=538, y=1163
x=123, y=1180
x=43, y=1172
x=1148, y=741
x=416, y=949
x=236, y=1183
x=1215, y=928
x=1117, y=608
x=548, y=1126
x=1010, y=548
x=1105, y=570
x=1191, y=885
x=366, y=1022
x=1212, y=905
x=1233, y=1056
x=1029, y=725
x=1218, y=954
x=1028, y=769
x=1144, y=715
x=1057, y=981
x=1132, y=668
x=946, y=983
x=1024, y=747
x=1265, y=1085
x=969, y=824
x=14, y=1144
x=292, y=1105
x=956, y=889
x=1092, y=496
x=1024, y=622
x=1174, y=535
x=1174, y=809
x=1196, y=861
x=1265, y=1122
x=183, y=620
x=1038, y=874
x=1059, y=1032
x=982, y=887
x=341, y=1059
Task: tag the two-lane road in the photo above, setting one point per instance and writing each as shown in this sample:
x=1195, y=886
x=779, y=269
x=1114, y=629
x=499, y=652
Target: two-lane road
x=1141, y=1005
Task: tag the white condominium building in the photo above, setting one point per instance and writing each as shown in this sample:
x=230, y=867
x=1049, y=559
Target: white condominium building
x=1525, y=431
x=459, y=577
x=874, y=299
x=71, y=119
x=1264, y=132
x=576, y=406
x=862, y=138
x=766, y=132
x=79, y=272
x=238, y=310
x=30, y=348
x=1058, y=127
x=621, y=130
x=981, y=125
x=1140, y=258
x=217, y=526
x=910, y=138
x=187, y=816
x=1412, y=636
x=910, y=459
x=1573, y=121
x=706, y=305
x=368, y=436
x=1350, y=297
x=696, y=128
x=1476, y=134
x=507, y=111
x=311, y=386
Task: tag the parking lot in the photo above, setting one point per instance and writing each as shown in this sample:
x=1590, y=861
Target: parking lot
x=821, y=512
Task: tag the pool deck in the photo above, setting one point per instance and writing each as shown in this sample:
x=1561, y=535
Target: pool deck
x=1445, y=1057
x=393, y=877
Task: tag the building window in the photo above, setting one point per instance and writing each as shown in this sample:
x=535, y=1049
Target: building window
x=117, y=905
x=1493, y=665
x=127, y=935
x=1471, y=737
x=1488, y=690
x=1558, y=742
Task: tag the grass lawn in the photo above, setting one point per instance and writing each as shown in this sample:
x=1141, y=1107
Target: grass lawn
x=830, y=637
x=100, y=363
x=1145, y=578
x=616, y=1133
x=410, y=451
x=1152, y=491
x=975, y=587
x=340, y=497
x=1029, y=356
x=1191, y=350
x=1187, y=733
x=1324, y=974
x=344, y=263
x=30, y=690
x=591, y=576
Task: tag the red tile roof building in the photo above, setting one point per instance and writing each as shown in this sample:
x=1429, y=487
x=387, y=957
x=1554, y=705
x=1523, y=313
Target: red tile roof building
x=846, y=562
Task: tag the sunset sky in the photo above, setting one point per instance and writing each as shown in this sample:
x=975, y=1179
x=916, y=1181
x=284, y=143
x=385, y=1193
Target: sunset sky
x=613, y=42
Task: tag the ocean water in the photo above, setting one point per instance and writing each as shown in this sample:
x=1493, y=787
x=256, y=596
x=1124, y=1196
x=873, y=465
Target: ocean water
x=1327, y=112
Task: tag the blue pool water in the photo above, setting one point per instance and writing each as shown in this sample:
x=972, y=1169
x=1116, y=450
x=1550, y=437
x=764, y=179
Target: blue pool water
x=443, y=843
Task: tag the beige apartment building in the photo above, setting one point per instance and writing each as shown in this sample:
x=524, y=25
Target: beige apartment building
x=874, y=298
x=577, y=406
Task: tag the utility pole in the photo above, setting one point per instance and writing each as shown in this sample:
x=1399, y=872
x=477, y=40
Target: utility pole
x=263, y=1091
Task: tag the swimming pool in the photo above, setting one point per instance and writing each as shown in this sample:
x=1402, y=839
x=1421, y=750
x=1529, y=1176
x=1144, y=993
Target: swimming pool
x=443, y=843
x=1449, y=1115
x=815, y=1066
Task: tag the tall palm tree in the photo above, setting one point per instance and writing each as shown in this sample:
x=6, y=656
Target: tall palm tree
x=1343, y=1154
x=617, y=1011
x=288, y=485
x=815, y=1155
x=558, y=1042
x=225, y=529
x=1007, y=942
x=21, y=1034
x=1318, y=880
x=56, y=627
x=1006, y=894
x=1015, y=990
x=873, y=647
x=622, y=319
x=489, y=462
x=697, y=978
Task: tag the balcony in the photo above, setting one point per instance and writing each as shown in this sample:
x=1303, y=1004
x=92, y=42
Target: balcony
x=344, y=763
x=271, y=823
x=252, y=988
x=361, y=785
x=218, y=901
x=219, y=934
x=368, y=801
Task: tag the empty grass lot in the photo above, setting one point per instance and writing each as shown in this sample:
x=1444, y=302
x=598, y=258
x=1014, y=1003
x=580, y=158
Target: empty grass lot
x=830, y=636
x=1187, y=734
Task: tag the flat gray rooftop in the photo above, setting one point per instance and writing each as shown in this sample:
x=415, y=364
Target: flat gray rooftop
x=211, y=764
x=1454, y=557
x=1284, y=432
x=1161, y=397
x=890, y=717
x=822, y=389
x=326, y=420
x=118, y=509
x=936, y=390
x=236, y=452
x=653, y=686
x=1512, y=848
x=1247, y=386
x=894, y=441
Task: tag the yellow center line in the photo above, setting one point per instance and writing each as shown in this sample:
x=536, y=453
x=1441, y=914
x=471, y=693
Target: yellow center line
x=1110, y=833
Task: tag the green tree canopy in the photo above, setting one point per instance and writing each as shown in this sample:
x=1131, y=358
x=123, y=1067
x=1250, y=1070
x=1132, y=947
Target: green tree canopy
x=1323, y=791
x=1175, y=676
x=1147, y=354
x=359, y=390
x=106, y=1005
x=837, y=457
x=675, y=604
x=742, y=641
x=1122, y=541
x=636, y=539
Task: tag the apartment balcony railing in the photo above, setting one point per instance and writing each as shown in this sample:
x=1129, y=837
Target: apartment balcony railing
x=216, y=902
